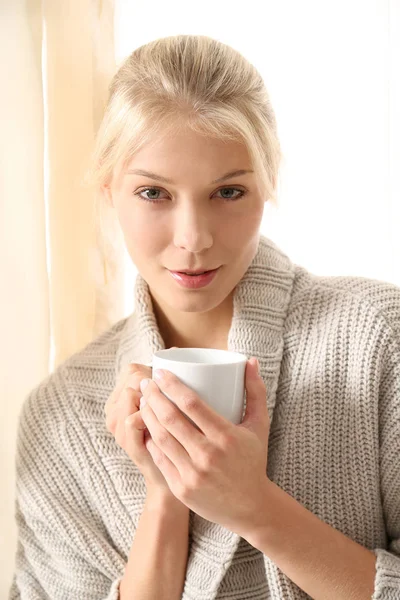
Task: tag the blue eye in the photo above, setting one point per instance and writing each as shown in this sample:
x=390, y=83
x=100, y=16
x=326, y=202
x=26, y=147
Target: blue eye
x=158, y=201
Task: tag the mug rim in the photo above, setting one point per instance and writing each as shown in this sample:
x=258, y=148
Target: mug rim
x=235, y=357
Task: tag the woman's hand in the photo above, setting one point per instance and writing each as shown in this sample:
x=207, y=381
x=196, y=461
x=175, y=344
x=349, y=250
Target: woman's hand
x=124, y=421
x=216, y=468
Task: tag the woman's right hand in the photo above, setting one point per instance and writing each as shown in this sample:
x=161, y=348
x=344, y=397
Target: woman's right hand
x=124, y=402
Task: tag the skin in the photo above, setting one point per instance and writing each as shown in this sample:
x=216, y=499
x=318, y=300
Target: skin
x=195, y=224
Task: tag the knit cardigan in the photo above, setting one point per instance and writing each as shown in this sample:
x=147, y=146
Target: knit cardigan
x=329, y=352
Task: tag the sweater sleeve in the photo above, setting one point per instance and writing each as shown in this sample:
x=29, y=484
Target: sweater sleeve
x=61, y=549
x=387, y=577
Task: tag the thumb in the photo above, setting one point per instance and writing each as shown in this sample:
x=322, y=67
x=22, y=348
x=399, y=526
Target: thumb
x=256, y=415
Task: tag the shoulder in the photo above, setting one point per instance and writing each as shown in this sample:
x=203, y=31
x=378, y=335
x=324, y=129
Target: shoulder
x=351, y=296
x=83, y=378
x=380, y=297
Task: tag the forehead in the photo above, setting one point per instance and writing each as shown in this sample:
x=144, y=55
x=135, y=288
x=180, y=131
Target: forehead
x=190, y=151
x=182, y=142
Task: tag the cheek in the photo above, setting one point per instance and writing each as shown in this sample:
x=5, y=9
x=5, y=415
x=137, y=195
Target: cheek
x=143, y=232
x=129, y=223
x=245, y=224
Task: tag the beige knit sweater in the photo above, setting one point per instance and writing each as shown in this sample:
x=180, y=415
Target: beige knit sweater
x=329, y=351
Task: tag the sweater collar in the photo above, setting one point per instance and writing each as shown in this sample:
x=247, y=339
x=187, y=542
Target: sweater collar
x=260, y=305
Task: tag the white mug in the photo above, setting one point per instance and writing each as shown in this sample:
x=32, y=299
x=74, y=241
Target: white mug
x=217, y=377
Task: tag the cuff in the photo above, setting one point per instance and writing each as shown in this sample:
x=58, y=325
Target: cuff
x=114, y=591
x=387, y=576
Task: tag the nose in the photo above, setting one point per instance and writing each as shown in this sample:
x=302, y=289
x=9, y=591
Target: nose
x=192, y=229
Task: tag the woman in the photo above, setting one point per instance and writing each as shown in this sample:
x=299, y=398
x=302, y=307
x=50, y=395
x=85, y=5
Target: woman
x=118, y=495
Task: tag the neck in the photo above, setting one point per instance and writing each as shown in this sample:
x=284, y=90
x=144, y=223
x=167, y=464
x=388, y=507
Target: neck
x=195, y=330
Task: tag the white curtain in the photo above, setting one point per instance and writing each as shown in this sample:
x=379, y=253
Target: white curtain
x=57, y=61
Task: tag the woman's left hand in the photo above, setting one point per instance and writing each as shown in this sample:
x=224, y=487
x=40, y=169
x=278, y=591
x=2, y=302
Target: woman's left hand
x=220, y=469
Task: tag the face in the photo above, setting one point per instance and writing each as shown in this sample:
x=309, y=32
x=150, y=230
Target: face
x=190, y=222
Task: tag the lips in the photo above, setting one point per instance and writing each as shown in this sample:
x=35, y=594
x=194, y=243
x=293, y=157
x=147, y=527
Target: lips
x=194, y=281
x=198, y=272
x=195, y=272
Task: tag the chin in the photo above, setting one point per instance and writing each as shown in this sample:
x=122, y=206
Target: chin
x=195, y=302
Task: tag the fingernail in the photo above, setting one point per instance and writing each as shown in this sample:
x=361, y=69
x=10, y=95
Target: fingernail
x=256, y=364
x=143, y=384
x=158, y=374
x=142, y=402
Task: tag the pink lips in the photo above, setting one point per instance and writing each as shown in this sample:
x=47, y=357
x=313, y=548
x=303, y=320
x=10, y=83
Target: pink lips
x=194, y=281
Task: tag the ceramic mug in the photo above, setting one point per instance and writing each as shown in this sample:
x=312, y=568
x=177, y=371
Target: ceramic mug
x=217, y=376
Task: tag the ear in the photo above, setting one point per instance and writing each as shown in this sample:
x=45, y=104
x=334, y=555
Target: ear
x=106, y=190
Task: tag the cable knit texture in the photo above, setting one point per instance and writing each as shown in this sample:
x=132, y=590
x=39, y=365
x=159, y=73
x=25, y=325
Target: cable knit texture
x=329, y=352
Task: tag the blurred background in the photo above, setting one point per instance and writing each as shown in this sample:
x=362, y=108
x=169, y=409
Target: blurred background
x=333, y=73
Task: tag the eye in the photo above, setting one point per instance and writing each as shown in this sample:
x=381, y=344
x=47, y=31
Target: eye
x=241, y=193
x=152, y=189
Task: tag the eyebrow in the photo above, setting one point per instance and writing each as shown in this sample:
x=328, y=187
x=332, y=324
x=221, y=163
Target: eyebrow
x=235, y=173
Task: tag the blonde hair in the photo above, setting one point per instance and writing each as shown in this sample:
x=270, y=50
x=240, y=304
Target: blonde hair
x=191, y=81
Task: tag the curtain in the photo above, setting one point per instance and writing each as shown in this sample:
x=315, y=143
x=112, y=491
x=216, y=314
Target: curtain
x=59, y=291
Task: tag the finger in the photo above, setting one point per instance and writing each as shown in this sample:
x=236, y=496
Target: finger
x=212, y=424
x=130, y=375
x=132, y=368
x=167, y=443
x=133, y=380
x=127, y=405
x=175, y=422
x=256, y=417
x=138, y=438
x=119, y=386
x=136, y=372
x=135, y=434
x=167, y=469
x=136, y=420
x=113, y=414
